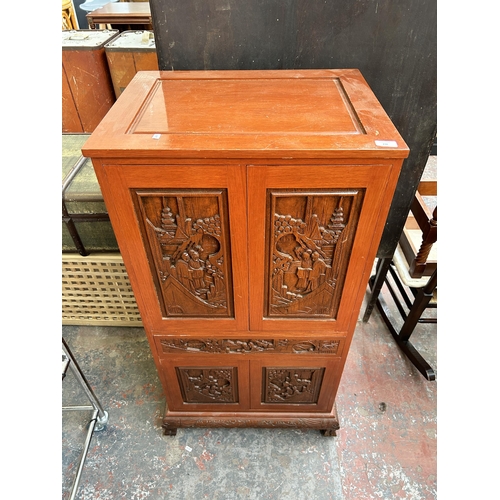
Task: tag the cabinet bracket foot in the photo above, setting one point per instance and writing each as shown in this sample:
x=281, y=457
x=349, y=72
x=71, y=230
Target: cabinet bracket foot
x=327, y=423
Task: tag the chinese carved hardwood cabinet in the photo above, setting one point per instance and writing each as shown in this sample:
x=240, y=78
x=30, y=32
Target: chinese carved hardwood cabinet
x=248, y=207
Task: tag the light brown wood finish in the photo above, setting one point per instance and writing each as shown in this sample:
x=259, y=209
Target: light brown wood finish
x=369, y=180
x=248, y=207
x=154, y=107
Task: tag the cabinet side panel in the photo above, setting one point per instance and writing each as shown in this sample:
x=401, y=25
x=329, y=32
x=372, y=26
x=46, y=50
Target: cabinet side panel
x=186, y=235
x=309, y=241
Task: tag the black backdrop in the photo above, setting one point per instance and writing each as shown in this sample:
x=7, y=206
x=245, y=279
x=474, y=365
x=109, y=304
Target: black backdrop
x=392, y=43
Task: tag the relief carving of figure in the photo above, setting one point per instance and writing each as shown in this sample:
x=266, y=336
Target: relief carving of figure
x=303, y=254
x=317, y=272
x=183, y=272
x=304, y=270
x=190, y=256
x=196, y=269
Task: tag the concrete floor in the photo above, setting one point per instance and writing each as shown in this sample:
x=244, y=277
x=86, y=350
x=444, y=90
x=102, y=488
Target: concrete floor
x=385, y=448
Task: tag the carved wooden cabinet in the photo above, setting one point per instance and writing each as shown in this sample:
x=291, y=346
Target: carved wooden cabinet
x=248, y=207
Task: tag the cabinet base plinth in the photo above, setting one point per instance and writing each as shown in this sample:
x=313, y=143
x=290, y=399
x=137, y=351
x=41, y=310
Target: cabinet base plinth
x=327, y=423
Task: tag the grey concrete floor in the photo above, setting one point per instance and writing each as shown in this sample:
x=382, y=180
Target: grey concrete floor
x=381, y=451
x=132, y=459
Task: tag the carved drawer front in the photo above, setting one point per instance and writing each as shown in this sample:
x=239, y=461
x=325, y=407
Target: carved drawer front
x=295, y=383
x=251, y=345
x=198, y=383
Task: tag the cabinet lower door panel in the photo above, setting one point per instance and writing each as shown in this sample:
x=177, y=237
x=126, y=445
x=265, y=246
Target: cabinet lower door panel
x=206, y=383
x=295, y=383
x=235, y=383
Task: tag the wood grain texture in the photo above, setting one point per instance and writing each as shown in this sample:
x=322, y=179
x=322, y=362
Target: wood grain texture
x=206, y=114
x=71, y=122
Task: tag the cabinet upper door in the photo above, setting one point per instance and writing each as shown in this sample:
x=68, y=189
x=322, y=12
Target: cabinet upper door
x=322, y=226
x=182, y=236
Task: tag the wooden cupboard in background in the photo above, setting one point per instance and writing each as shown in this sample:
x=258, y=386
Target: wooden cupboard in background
x=128, y=53
x=87, y=90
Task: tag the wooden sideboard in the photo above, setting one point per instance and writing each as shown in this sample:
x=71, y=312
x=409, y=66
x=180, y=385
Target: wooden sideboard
x=248, y=207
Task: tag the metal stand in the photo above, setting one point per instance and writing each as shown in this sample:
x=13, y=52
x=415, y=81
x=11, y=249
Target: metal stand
x=99, y=417
x=376, y=283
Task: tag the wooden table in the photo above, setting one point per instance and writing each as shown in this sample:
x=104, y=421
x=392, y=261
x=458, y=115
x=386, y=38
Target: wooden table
x=122, y=15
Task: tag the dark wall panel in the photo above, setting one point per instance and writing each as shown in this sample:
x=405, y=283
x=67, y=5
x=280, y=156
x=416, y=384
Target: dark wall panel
x=392, y=42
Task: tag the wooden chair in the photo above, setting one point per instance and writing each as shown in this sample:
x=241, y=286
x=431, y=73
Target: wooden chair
x=412, y=277
x=69, y=21
x=420, y=233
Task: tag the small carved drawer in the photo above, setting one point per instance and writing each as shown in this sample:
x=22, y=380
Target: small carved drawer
x=254, y=345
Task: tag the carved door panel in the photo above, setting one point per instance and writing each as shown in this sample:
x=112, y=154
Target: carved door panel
x=206, y=383
x=319, y=225
x=185, y=250
x=299, y=383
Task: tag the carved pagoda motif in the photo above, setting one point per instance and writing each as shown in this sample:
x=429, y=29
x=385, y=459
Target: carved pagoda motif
x=305, y=256
x=185, y=234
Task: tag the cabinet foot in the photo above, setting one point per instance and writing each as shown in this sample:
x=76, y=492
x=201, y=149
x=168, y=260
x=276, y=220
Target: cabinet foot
x=169, y=431
x=329, y=432
x=327, y=423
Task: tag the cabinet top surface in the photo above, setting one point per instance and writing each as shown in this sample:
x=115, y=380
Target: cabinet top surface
x=251, y=114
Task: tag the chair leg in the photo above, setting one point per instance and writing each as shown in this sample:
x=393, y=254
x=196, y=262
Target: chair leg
x=402, y=337
x=421, y=302
x=376, y=283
